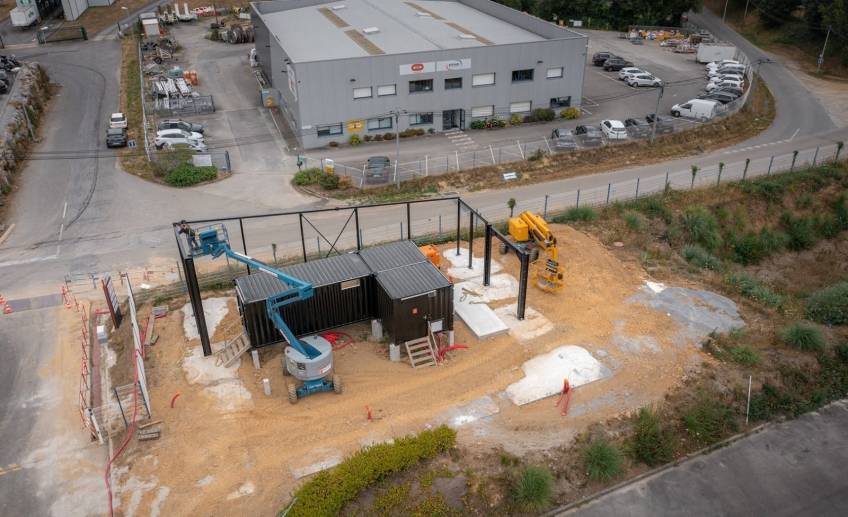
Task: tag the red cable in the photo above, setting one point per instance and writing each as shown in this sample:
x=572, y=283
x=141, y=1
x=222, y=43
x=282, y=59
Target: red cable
x=333, y=339
x=129, y=435
x=443, y=351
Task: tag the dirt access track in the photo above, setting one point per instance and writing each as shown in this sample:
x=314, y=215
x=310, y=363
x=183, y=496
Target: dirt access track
x=227, y=448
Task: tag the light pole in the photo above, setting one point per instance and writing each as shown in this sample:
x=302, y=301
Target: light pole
x=821, y=56
x=657, y=113
x=745, y=16
x=397, y=114
x=724, y=15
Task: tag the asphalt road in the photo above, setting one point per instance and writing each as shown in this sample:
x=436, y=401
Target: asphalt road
x=789, y=469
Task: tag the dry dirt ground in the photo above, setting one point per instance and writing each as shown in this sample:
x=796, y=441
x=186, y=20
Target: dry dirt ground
x=227, y=448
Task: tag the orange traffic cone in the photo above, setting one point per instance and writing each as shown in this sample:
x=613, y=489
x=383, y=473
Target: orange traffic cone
x=8, y=309
x=2, y=300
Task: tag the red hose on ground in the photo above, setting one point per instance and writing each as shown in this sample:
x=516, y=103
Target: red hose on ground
x=127, y=438
x=339, y=340
x=174, y=399
x=443, y=351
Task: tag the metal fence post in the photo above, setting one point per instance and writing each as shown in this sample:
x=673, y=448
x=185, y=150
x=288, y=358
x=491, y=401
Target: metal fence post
x=637, y=187
x=474, y=160
x=500, y=149
x=520, y=150
x=578, y=198
x=401, y=230
x=815, y=156
x=492, y=151
x=318, y=240
x=771, y=160
x=666, y=184
x=794, y=156
x=426, y=165
x=545, y=211
x=609, y=188
x=745, y=170
x=440, y=224
x=720, y=168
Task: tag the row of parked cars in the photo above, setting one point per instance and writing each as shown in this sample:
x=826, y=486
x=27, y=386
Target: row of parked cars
x=564, y=139
x=631, y=75
x=169, y=132
x=726, y=84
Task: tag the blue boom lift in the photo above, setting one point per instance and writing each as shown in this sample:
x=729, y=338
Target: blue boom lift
x=310, y=359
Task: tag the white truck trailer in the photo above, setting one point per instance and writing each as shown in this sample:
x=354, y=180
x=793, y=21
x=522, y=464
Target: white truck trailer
x=24, y=14
x=708, y=52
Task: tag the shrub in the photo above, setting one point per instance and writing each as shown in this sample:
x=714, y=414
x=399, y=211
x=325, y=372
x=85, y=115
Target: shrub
x=515, y=119
x=699, y=257
x=805, y=200
x=840, y=210
x=769, y=189
x=801, y=231
x=749, y=287
x=333, y=143
x=603, y=460
x=543, y=115
x=388, y=136
x=307, y=176
x=495, y=123
x=827, y=226
x=701, y=227
x=634, y=221
x=537, y=155
x=187, y=174
x=570, y=113
x=652, y=444
x=744, y=355
x=754, y=247
x=328, y=181
x=327, y=492
x=367, y=138
x=408, y=132
x=653, y=207
x=477, y=124
x=533, y=488
x=804, y=336
x=378, y=138
x=829, y=305
x=583, y=213
x=709, y=420
x=354, y=140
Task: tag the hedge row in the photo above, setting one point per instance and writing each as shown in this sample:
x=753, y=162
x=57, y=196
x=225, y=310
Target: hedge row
x=328, y=492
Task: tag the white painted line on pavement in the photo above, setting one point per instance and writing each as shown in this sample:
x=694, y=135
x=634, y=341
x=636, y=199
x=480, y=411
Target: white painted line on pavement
x=794, y=135
x=65, y=210
x=615, y=80
x=61, y=231
x=27, y=261
x=7, y=233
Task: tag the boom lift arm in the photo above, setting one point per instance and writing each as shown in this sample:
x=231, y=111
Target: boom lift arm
x=310, y=359
x=532, y=230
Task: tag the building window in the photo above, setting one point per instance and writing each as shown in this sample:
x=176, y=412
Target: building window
x=330, y=130
x=424, y=85
x=419, y=119
x=519, y=76
x=520, y=107
x=482, y=111
x=483, y=79
x=375, y=124
x=561, y=102
x=555, y=73
x=454, y=83
x=362, y=93
x=386, y=90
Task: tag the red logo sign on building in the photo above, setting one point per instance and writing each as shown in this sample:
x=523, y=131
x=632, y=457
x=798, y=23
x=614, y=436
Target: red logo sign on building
x=417, y=67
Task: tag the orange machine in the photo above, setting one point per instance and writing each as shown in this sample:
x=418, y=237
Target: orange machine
x=432, y=254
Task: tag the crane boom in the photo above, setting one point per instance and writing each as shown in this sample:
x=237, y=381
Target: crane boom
x=213, y=241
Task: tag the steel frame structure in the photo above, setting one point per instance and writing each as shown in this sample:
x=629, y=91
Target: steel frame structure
x=193, y=286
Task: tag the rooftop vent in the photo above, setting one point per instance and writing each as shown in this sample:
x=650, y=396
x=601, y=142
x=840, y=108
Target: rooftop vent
x=337, y=7
x=467, y=36
x=371, y=30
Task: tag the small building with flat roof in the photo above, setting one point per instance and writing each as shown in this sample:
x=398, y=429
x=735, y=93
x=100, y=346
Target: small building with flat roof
x=369, y=67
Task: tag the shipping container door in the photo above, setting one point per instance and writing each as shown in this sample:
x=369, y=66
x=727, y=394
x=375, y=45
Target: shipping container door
x=412, y=315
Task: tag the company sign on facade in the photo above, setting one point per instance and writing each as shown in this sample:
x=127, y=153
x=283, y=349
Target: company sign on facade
x=435, y=66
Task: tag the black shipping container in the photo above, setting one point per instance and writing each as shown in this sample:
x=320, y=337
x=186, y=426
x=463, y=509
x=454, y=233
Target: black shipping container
x=344, y=294
x=409, y=297
x=392, y=255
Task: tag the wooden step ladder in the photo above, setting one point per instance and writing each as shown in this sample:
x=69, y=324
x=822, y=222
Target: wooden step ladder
x=233, y=350
x=420, y=352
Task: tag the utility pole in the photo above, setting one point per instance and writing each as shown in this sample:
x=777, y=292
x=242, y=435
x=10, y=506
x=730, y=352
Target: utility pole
x=724, y=15
x=657, y=113
x=397, y=146
x=744, y=16
x=821, y=56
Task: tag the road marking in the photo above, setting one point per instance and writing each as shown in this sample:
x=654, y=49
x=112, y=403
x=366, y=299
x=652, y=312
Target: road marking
x=65, y=210
x=28, y=261
x=616, y=80
x=61, y=231
x=794, y=135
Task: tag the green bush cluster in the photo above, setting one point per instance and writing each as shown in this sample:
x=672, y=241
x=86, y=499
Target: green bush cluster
x=829, y=305
x=709, y=420
x=749, y=287
x=570, y=113
x=652, y=444
x=800, y=230
x=699, y=257
x=355, y=140
x=701, y=227
x=309, y=176
x=533, y=488
x=804, y=336
x=328, y=492
x=635, y=221
x=603, y=461
x=328, y=181
x=654, y=207
x=412, y=131
x=187, y=174
x=492, y=123
x=540, y=115
x=744, y=355
x=515, y=119
x=753, y=247
x=583, y=213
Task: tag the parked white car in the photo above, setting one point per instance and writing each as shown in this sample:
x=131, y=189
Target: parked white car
x=713, y=85
x=643, y=80
x=170, y=137
x=614, y=129
x=700, y=109
x=624, y=73
x=716, y=73
x=718, y=64
x=118, y=121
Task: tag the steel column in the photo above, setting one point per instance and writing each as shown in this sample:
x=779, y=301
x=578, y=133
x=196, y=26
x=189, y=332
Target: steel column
x=243, y=242
x=408, y=222
x=487, y=255
x=193, y=288
x=524, y=257
x=470, y=237
x=458, y=224
x=302, y=240
x=358, y=233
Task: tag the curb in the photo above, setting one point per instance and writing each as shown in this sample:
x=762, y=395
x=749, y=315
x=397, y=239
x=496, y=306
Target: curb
x=692, y=455
x=7, y=233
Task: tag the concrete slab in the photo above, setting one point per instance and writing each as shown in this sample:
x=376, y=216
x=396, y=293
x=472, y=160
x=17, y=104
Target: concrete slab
x=330, y=458
x=472, y=412
x=501, y=287
x=479, y=317
x=544, y=374
x=459, y=264
x=214, y=309
x=532, y=326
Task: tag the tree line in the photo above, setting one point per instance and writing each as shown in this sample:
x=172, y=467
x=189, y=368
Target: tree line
x=610, y=14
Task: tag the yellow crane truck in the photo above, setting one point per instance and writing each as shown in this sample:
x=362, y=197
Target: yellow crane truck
x=532, y=233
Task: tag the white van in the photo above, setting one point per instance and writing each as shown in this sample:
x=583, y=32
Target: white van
x=700, y=109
